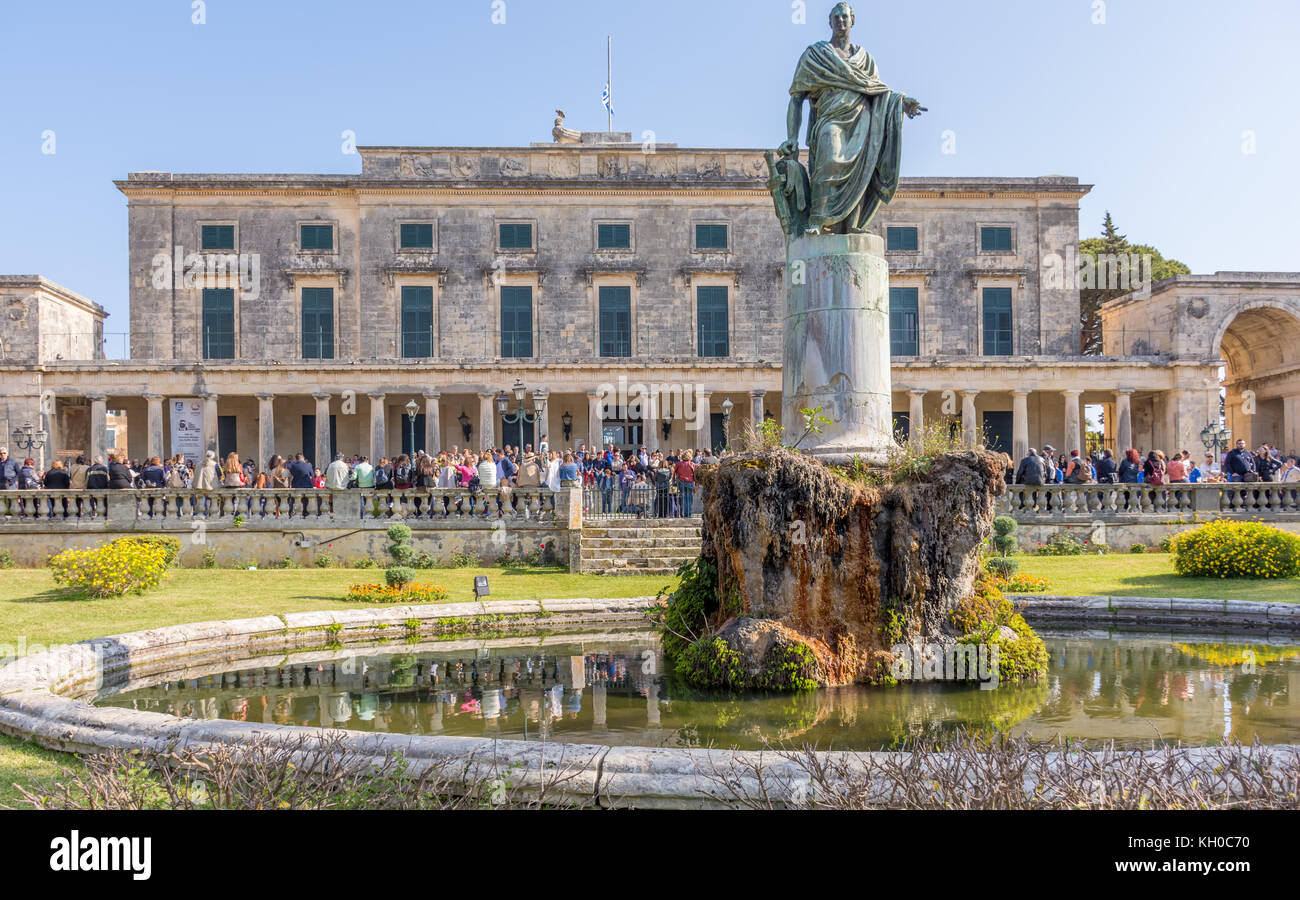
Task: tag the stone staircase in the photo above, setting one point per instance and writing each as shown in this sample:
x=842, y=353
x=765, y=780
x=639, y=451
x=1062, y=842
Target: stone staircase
x=639, y=546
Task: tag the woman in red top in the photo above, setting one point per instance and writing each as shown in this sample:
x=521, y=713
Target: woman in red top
x=684, y=475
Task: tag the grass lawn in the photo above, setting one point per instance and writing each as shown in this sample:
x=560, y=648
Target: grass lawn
x=26, y=763
x=32, y=606
x=1148, y=575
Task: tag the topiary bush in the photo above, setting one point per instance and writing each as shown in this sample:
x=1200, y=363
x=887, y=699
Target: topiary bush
x=1237, y=550
x=1004, y=535
x=1001, y=566
x=399, y=576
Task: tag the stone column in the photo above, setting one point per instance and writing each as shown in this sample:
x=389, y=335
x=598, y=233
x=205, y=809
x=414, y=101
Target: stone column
x=265, y=428
x=1290, y=424
x=98, y=423
x=154, y=437
x=322, y=459
x=1123, y=421
x=210, y=441
x=1019, y=425
x=432, y=423
x=836, y=352
x=702, y=435
x=650, y=422
x=487, y=428
x=379, y=427
x=48, y=416
x=595, y=417
x=756, y=411
x=916, y=417
x=969, y=425
x=1072, y=436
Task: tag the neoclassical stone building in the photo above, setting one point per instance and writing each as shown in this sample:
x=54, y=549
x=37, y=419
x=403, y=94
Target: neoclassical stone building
x=306, y=312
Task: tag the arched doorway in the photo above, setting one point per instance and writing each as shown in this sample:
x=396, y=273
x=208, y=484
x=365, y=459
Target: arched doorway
x=1260, y=345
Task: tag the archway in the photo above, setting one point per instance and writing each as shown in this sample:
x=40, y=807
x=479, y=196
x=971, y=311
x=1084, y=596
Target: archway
x=1260, y=345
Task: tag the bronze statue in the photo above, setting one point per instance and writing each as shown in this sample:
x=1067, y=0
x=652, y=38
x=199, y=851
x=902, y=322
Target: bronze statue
x=854, y=134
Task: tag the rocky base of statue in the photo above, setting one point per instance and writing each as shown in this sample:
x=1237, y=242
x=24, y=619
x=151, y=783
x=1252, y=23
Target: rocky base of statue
x=844, y=569
x=836, y=347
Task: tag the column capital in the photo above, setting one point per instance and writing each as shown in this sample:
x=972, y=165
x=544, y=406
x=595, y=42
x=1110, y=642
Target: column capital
x=152, y=397
x=207, y=395
x=1021, y=392
x=264, y=395
x=758, y=392
x=320, y=395
x=97, y=398
x=432, y=395
x=1134, y=390
x=486, y=395
x=917, y=392
x=377, y=395
x=968, y=393
x=1072, y=392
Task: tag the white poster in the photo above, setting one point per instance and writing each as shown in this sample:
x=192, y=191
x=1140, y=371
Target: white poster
x=187, y=428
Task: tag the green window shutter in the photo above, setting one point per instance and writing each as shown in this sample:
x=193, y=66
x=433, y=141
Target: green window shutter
x=218, y=323
x=217, y=237
x=318, y=323
x=997, y=322
x=316, y=237
x=417, y=321
x=615, y=321
x=516, y=322
x=996, y=240
x=901, y=238
x=710, y=237
x=903, y=320
x=613, y=237
x=713, y=338
x=516, y=236
x=417, y=236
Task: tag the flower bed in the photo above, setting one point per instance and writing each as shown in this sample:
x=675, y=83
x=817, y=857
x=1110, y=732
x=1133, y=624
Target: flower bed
x=411, y=592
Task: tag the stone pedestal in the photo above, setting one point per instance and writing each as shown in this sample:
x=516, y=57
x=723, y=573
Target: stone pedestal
x=837, y=345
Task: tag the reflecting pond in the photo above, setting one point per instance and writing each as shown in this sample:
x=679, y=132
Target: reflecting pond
x=611, y=689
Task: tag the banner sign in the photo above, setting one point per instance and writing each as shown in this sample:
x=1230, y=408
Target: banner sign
x=187, y=428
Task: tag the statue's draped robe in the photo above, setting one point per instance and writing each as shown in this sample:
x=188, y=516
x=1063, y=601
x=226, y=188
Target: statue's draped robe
x=854, y=136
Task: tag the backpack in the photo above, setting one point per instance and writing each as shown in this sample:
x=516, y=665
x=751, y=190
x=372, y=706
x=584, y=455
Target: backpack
x=1081, y=473
x=402, y=476
x=97, y=478
x=381, y=476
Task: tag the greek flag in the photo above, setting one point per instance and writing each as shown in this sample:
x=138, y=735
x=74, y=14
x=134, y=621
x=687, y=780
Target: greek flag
x=605, y=101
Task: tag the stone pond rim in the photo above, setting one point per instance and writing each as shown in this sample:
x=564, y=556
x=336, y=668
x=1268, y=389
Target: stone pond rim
x=841, y=562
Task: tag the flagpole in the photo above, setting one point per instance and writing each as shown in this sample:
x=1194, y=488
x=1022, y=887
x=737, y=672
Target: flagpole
x=609, y=78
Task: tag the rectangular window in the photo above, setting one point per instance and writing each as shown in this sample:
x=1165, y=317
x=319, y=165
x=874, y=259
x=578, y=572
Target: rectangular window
x=615, y=321
x=318, y=323
x=712, y=320
x=416, y=236
x=217, y=237
x=997, y=240
x=417, y=322
x=516, y=321
x=516, y=236
x=903, y=317
x=218, y=323
x=997, y=321
x=316, y=237
x=901, y=238
x=710, y=237
x=613, y=237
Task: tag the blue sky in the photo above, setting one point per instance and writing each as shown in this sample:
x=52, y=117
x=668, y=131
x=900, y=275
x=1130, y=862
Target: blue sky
x=1154, y=106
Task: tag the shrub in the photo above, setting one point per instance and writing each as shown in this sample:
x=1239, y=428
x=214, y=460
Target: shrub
x=682, y=618
x=1001, y=566
x=424, y=561
x=1138, y=548
x=209, y=559
x=462, y=560
x=412, y=592
x=363, y=562
x=1062, y=543
x=171, y=545
x=1004, y=535
x=402, y=554
x=398, y=576
x=399, y=534
x=325, y=561
x=115, y=569
x=1237, y=550
x=981, y=618
x=1167, y=544
x=286, y=562
x=6, y=559
x=1022, y=584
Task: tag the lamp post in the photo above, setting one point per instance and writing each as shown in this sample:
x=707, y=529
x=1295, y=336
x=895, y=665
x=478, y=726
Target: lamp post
x=727, y=407
x=411, y=409
x=668, y=425
x=567, y=421
x=29, y=439
x=1215, y=438
x=521, y=414
x=465, y=426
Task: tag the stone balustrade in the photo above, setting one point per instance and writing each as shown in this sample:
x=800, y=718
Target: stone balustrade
x=1044, y=504
x=163, y=509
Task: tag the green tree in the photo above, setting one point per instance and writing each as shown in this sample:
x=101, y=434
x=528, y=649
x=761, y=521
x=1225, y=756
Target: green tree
x=1090, y=300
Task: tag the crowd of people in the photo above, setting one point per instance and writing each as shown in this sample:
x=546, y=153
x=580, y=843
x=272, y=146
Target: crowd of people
x=643, y=483
x=1240, y=464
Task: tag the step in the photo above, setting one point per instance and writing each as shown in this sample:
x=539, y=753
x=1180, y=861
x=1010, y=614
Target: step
x=640, y=532
x=686, y=542
x=651, y=553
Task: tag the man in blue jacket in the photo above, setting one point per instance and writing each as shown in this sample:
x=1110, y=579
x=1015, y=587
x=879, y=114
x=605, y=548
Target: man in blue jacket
x=300, y=472
x=8, y=470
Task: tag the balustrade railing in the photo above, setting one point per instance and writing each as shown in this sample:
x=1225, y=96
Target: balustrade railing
x=282, y=507
x=1232, y=500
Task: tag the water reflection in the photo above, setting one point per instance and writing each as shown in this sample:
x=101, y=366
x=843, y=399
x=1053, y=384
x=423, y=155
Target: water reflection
x=1131, y=690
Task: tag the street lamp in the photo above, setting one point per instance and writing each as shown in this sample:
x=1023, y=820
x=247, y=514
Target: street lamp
x=1215, y=438
x=411, y=409
x=27, y=438
x=567, y=421
x=727, y=407
x=521, y=414
x=668, y=425
x=464, y=425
